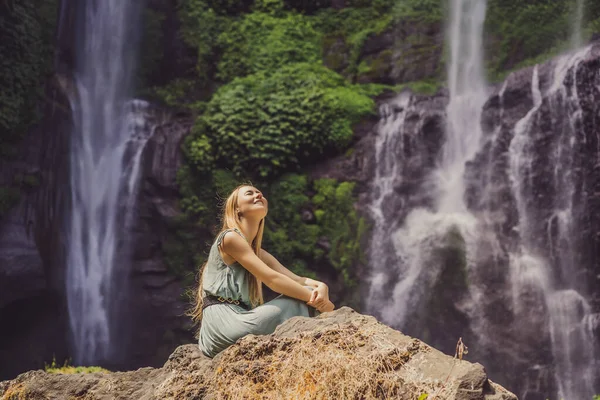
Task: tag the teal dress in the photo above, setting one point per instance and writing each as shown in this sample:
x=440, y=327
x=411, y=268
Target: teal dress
x=223, y=324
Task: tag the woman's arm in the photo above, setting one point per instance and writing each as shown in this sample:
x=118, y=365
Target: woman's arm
x=274, y=264
x=320, y=294
x=238, y=248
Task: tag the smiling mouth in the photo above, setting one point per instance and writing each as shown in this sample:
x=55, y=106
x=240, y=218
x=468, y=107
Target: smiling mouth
x=259, y=202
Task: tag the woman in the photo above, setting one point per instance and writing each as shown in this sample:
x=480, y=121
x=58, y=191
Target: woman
x=229, y=302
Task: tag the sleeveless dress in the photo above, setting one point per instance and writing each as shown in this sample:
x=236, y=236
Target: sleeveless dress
x=223, y=324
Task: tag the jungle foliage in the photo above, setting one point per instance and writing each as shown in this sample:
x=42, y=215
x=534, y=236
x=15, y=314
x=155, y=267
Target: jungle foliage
x=27, y=32
x=274, y=107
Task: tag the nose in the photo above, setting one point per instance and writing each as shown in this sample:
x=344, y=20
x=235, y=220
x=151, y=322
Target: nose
x=259, y=196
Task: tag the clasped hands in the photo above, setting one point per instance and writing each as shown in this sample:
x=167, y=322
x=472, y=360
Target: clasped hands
x=319, y=298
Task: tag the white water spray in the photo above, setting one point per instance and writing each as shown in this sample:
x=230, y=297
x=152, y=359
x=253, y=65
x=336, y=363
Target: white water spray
x=413, y=272
x=576, y=35
x=468, y=93
x=108, y=138
x=530, y=267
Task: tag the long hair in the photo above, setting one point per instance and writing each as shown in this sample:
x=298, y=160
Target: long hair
x=231, y=220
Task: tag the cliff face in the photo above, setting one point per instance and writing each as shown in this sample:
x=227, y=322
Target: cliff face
x=33, y=236
x=536, y=179
x=32, y=243
x=533, y=189
x=357, y=357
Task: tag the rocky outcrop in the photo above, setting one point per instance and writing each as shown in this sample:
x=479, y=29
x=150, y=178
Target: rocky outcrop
x=32, y=242
x=411, y=50
x=562, y=149
x=341, y=354
x=558, y=188
x=156, y=302
x=33, y=234
x=32, y=247
x=407, y=51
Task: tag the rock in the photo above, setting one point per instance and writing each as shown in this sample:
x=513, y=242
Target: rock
x=32, y=242
x=515, y=345
x=308, y=216
x=341, y=354
x=410, y=50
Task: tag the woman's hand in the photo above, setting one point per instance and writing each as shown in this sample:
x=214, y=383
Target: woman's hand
x=326, y=306
x=319, y=298
x=320, y=293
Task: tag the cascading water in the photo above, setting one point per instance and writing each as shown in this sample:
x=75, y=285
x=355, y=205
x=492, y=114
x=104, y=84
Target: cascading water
x=547, y=266
x=468, y=93
x=489, y=236
x=576, y=35
x=414, y=272
x=108, y=137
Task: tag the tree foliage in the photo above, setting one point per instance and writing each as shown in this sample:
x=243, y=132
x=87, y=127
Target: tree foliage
x=268, y=123
x=26, y=29
x=336, y=225
x=262, y=42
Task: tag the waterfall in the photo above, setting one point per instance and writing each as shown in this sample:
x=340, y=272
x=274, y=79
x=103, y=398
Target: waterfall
x=576, y=36
x=109, y=133
x=388, y=145
x=400, y=281
x=546, y=266
x=488, y=235
x=468, y=93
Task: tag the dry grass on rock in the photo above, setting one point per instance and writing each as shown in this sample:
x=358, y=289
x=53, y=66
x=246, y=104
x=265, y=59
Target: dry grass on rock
x=334, y=363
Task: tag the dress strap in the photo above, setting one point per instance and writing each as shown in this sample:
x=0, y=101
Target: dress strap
x=222, y=235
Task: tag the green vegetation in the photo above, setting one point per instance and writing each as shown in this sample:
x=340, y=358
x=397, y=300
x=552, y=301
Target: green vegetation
x=54, y=368
x=278, y=121
x=311, y=224
x=262, y=42
x=192, y=231
x=278, y=85
x=525, y=30
x=345, y=32
x=314, y=223
x=428, y=87
x=26, y=28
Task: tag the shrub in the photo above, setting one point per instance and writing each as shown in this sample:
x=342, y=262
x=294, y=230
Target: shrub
x=26, y=29
x=293, y=240
x=262, y=42
x=265, y=123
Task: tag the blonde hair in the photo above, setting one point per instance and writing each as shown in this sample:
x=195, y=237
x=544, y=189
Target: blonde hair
x=231, y=220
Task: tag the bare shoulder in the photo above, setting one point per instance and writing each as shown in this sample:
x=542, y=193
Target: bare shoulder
x=234, y=240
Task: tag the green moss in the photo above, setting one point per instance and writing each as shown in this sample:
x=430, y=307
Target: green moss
x=54, y=368
x=523, y=33
x=189, y=234
x=334, y=203
x=375, y=68
x=27, y=181
x=201, y=25
x=335, y=52
x=425, y=87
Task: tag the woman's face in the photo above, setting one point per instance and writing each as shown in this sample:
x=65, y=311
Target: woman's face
x=252, y=202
